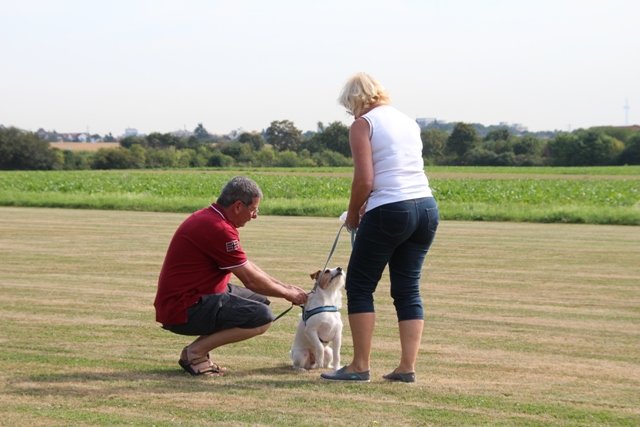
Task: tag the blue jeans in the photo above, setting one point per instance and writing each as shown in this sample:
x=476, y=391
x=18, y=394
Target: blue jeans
x=398, y=234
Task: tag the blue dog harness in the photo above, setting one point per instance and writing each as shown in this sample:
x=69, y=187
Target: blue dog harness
x=306, y=314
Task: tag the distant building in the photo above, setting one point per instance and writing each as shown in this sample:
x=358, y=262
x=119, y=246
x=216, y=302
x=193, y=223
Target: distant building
x=73, y=137
x=49, y=136
x=182, y=133
x=130, y=132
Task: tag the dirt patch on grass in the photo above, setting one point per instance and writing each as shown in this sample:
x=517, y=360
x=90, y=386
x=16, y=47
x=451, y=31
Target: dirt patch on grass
x=83, y=146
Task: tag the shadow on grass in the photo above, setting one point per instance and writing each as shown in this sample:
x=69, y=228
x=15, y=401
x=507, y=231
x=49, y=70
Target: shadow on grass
x=163, y=380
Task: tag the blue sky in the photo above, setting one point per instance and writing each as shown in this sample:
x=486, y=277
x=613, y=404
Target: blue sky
x=159, y=65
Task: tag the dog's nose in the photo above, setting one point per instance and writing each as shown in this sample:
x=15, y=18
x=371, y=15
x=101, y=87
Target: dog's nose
x=339, y=269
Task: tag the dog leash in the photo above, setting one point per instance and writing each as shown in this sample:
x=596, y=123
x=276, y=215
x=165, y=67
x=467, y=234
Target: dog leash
x=333, y=248
x=284, y=312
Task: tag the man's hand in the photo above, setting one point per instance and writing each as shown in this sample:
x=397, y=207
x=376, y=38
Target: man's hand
x=296, y=295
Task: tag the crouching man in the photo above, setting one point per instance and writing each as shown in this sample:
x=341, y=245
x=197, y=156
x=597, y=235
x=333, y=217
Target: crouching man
x=194, y=296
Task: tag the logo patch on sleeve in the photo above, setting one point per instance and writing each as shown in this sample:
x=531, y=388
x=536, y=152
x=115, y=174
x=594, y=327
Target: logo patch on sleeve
x=231, y=246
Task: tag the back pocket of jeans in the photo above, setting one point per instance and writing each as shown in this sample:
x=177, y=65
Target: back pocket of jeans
x=393, y=223
x=434, y=219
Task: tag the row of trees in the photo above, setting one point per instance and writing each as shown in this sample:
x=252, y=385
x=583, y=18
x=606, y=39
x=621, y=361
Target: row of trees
x=500, y=147
x=282, y=144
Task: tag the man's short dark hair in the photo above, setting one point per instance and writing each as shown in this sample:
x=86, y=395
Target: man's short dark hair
x=239, y=188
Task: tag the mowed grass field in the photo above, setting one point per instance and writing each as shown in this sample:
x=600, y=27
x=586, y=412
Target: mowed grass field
x=527, y=325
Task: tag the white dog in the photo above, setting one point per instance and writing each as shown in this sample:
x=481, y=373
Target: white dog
x=319, y=334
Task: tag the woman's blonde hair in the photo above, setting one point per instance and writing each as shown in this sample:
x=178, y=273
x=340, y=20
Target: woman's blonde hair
x=361, y=92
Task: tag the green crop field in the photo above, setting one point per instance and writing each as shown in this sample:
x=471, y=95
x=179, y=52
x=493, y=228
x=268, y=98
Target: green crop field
x=598, y=195
x=526, y=324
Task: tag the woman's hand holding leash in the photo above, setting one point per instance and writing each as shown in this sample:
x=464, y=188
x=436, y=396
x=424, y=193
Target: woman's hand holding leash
x=351, y=220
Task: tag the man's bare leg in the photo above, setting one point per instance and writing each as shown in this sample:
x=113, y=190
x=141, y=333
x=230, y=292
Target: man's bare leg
x=206, y=343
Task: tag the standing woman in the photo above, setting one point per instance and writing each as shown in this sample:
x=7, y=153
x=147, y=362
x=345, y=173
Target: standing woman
x=392, y=207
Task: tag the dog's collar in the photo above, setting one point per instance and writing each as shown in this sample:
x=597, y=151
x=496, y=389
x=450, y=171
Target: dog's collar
x=306, y=314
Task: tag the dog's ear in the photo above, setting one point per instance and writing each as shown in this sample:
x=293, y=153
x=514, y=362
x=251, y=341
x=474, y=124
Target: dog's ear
x=315, y=275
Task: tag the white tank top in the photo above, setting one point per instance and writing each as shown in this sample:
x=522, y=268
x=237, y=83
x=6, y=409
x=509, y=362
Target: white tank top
x=398, y=167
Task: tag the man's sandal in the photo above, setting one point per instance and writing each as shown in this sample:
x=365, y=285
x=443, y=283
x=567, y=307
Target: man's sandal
x=200, y=366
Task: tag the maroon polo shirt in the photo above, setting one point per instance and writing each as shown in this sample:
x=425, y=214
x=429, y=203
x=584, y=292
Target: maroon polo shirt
x=201, y=252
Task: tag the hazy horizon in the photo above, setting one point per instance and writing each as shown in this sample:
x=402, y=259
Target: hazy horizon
x=162, y=66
